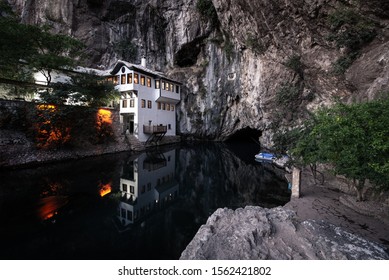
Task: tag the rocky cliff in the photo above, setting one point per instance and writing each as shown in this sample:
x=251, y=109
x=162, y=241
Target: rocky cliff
x=244, y=64
x=260, y=233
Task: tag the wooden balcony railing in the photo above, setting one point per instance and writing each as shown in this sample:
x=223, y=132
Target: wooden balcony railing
x=154, y=129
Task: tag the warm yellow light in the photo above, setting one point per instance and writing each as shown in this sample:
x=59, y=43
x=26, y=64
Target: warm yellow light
x=105, y=189
x=104, y=116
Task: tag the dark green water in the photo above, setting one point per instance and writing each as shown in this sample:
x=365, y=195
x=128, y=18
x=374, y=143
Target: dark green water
x=123, y=206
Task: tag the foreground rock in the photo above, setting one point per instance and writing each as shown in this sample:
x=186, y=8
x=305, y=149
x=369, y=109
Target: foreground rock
x=260, y=233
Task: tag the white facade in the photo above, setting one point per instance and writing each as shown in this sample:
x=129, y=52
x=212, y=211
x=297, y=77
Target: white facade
x=147, y=184
x=148, y=100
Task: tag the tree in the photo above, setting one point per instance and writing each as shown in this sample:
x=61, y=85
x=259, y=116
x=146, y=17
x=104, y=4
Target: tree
x=26, y=49
x=353, y=139
x=83, y=88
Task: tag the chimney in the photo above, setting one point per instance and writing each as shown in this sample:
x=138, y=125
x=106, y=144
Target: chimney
x=143, y=61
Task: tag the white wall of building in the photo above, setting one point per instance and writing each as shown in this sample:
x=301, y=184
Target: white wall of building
x=146, y=110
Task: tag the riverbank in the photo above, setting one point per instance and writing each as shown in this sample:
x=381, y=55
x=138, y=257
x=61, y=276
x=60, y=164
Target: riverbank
x=17, y=151
x=368, y=219
x=324, y=223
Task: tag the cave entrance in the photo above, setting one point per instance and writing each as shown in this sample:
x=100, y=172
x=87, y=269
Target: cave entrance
x=245, y=143
x=246, y=135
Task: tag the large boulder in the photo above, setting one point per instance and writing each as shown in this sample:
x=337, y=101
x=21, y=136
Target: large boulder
x=260, y=233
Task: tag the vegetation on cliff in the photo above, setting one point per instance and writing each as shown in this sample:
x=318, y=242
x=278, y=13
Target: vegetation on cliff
x=352, y=139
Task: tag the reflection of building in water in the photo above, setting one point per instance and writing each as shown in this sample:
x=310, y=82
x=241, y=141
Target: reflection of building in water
x=146, y=184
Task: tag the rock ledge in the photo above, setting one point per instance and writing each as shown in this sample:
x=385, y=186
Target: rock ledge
x=260, y=233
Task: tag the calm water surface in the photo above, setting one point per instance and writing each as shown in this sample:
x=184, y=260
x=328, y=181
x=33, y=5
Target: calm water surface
x=123, y=206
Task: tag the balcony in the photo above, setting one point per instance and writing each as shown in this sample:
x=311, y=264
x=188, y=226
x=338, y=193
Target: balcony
x=154, y=129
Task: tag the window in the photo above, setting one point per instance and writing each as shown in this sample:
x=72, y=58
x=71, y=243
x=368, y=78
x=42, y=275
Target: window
x=143, y=103
x=172, y=107
x=123, y=213
x=136, y=78
x=110, y=79
x=149, y=104
x=169, y=126
x=163, y=85
x=177, y=89
x=163, y=106
x=157, y=84
x=171, y=87
x=167, y=107
x=129, y=215
x=115, y=80
x=125, y=187
x=123, y=79
x=129, y=78
x=132, y=189
x=124, y=105
x=148, y=82
x=143, y=189
x=142, y=80
x=159, y=105
x=132, y=103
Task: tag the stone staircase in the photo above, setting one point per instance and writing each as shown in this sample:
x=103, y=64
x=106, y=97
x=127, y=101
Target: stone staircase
x=135, y=144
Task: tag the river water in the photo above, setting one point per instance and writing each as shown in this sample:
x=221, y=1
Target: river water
x=126, y=206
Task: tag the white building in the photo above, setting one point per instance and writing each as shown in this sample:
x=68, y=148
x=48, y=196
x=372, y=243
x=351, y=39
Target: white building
x=147, y=184
x=148, y=100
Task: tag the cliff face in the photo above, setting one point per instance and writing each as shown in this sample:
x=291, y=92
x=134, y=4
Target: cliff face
x=244, y=64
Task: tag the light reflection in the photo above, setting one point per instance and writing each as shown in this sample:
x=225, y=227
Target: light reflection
x=48, y=207
x=105, y=189
x=147, y=184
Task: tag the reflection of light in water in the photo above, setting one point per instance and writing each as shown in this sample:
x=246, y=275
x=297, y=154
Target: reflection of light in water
x=49, y=206
x=105, y=189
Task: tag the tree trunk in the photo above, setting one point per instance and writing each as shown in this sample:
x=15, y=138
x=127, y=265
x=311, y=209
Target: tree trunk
x=359, y=188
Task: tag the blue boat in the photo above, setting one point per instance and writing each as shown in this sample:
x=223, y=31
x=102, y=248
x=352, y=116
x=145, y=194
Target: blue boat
x=265, y=157
x=280, y=161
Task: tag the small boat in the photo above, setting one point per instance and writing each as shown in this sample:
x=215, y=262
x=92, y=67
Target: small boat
x=280, y=161
x=265, y=157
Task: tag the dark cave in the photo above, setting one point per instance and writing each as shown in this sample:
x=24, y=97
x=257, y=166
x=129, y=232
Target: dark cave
x=245, y=143
x=245, y=135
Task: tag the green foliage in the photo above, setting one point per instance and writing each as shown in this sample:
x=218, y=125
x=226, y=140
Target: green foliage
x=84, y=89
x=253, y=43
x=207, y=11
x=228, y=48
x=25, y=49
x=126, y=50
x=287, y=96
x=350, y=29
x=354, y=139
x=343, y=63
x=294, y=63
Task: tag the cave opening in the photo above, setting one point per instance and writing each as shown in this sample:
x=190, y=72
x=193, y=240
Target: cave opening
x=247, y=134
x=245, y=143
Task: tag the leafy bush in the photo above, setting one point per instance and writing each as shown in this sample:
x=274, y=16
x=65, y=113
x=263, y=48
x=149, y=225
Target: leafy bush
x=350, y=29
x=253, y=43
x=343, y=63
x=354, y=139
x=287, y=96
x=294, y=63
